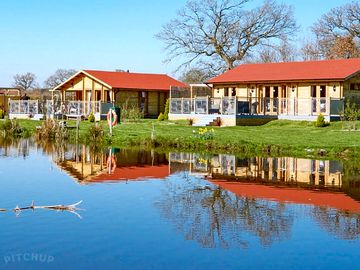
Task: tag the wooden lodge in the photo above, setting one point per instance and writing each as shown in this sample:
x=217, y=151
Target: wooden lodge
x=257, y=93
x=88, y=89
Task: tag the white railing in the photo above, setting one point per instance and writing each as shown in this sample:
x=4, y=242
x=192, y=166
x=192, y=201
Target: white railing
x=24, y=107
x=256, y=106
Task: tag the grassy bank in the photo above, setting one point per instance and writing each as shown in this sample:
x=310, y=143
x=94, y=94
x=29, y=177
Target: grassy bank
x=275, y=138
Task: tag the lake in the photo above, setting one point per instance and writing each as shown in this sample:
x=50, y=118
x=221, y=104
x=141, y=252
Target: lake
x=160, y=210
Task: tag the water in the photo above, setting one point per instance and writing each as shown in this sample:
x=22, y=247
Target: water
x=176, y=210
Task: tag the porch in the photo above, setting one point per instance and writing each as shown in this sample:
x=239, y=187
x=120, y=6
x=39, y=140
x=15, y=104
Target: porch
x=234, y=110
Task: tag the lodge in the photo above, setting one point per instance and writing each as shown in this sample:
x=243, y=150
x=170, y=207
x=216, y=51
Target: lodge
x=258, y=93
x=88, y=90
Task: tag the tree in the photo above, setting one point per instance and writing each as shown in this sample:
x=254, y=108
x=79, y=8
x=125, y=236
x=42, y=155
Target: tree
x=59, y=77
x=25, y=81
x=343, y=47
x=338, y=32
x=195, y=75
x=311, y=51
x=221, y=33
x=284, y=52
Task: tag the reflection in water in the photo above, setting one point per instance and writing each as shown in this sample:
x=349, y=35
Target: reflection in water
x=214, y=217
x=239, y=196
x=342, y=224
x=285, y=170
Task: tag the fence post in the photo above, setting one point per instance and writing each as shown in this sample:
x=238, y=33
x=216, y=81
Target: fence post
x=182, y=105
x=221, y=105
x=207, y=104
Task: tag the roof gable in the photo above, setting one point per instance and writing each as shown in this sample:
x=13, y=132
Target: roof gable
x=126, y=80
x=291, y=71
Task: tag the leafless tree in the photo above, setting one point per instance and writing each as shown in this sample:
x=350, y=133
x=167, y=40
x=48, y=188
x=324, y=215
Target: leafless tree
x=284, y=52
x=222, y=33
x=195, y=75
x=59, y=77
x=336, y=28
x=311, y=51
x=25, y=81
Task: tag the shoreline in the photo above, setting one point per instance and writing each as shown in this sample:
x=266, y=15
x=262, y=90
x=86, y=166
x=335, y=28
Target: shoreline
x=277, y=138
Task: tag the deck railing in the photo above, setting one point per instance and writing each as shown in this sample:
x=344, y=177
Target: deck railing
x=256, y=106
x=49, y=107
x=24, y=107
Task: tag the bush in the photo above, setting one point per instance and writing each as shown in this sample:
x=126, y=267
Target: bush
x=190, y=121
x=132, y=113
x=91, y=118
x=320, y=121
x=167, y=109
x=161, y=117
x=218, y=122
x=52, y=130
x=351, y=112
x=2, y=114
x=95, y=133
x=13, y=128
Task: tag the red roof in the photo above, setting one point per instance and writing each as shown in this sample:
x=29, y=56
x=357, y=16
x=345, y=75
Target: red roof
x=291, y=71
x=128, y=80
x=335, y=200
x=134, y=173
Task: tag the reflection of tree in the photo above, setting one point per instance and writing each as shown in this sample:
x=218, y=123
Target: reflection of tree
x=342, y=224
x=215, y=217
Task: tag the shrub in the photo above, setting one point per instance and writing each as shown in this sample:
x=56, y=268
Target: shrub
x=91, y=118
x=13, y=128
x=161, y=117
x=95, y=133
x=351, y=112
x=218, y=122
x=2, y=114
x=52, y=130
x=320, y=121
x=132, y=113
x=167, y=109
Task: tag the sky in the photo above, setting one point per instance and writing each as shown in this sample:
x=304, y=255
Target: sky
x=40, y=36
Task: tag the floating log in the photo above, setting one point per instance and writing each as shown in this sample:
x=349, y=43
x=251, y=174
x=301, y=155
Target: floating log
x=72, y=208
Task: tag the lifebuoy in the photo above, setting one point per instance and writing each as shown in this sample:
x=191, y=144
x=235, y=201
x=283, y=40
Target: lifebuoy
x=112, y=118
x=111, y=163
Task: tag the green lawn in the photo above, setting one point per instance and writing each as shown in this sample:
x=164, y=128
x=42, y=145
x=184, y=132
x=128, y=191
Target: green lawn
x=276, y=138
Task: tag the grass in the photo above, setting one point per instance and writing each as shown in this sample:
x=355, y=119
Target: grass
x=275, y=138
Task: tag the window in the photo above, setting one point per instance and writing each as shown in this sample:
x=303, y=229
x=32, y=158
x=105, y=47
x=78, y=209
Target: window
x=226, y=91
x=275, y=91
x=355, y=86
x=233, y=92
x=322, y=91
x=313, y=91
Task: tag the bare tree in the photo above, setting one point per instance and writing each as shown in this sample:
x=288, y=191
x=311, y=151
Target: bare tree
x=336, y=28
x=59, y=77
x=25, y=81
x=284, y=52
x=195, y=75
x=221, y=33
x=311, y=51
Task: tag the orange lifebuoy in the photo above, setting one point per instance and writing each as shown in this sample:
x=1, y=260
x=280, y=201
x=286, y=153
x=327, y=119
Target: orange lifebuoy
x=112, y=118
x=111, y=163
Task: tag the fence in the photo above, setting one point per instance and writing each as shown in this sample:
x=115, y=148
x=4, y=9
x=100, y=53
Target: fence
x=256, y=106
x=24, y=107
x=49, y=107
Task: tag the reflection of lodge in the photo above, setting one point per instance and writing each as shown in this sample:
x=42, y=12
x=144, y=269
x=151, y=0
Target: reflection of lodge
x=323, y=173
x=86, y=166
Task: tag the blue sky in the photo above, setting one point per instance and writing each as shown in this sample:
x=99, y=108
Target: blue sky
x=40, y=36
